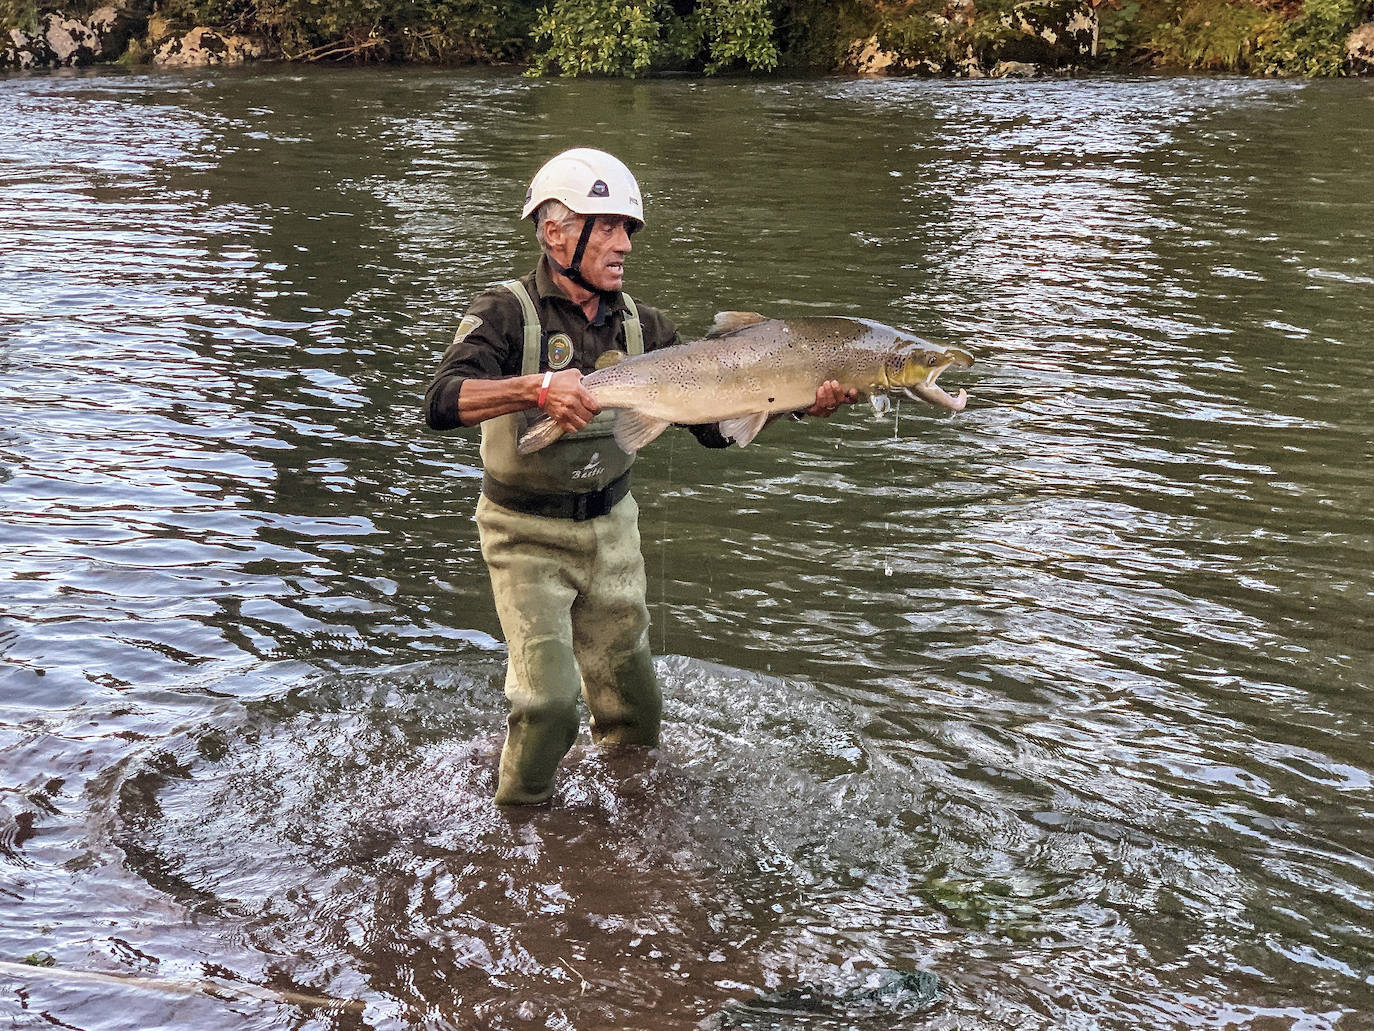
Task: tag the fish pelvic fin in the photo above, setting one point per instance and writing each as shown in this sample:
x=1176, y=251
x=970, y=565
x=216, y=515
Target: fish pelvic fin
x=633, y=430
x=610, y=358
x=744, y=429
x=539, y=436
x=728, y=322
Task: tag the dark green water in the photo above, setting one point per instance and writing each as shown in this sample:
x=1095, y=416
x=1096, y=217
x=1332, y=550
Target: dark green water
x=1064, y=700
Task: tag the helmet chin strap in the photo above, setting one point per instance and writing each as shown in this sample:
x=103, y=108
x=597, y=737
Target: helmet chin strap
x=574, y=271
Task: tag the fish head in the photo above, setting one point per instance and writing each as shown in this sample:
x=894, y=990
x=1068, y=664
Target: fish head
x=913, y=366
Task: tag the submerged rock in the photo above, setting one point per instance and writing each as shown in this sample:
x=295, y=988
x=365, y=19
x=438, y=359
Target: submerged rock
x=1359, y=50
x=872, y=1001
x=1014, y=70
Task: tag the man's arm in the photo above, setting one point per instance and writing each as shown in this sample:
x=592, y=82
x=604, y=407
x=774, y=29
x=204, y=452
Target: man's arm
x=567, y=401
x=479, y=375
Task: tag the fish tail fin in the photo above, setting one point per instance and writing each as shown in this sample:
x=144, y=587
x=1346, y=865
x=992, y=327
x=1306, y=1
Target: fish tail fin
x=539, y=436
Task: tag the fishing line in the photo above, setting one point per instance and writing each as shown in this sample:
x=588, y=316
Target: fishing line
x=662, y=554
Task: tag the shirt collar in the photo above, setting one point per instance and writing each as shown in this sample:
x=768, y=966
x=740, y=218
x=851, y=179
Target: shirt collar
x=546, y=287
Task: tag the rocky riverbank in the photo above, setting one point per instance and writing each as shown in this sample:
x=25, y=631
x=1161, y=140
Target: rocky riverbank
x=957, y=38
x=126, y=35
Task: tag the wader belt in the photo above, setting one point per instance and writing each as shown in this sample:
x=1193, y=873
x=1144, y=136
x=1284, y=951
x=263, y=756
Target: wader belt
x=577, y=507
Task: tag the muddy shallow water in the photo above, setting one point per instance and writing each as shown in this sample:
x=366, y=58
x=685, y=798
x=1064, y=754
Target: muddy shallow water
x=1048, y=715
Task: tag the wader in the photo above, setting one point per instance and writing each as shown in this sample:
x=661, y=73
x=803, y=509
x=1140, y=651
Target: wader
x=560, y=537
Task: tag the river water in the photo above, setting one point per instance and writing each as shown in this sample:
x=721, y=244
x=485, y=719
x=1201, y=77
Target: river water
x=1060, y=704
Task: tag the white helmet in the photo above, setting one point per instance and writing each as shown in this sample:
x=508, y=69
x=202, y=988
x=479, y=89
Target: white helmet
x=588, y=182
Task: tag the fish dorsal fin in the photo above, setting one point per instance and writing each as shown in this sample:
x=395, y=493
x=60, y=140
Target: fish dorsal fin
x=744, y=429
x=611, y=358
x=733, y=322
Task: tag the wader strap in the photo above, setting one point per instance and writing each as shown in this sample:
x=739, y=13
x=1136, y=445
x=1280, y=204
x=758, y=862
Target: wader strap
x=634, y=329
x=533, y=330
x=577, y=507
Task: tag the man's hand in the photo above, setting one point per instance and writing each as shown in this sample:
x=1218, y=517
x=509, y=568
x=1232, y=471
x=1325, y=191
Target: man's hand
x=568, y=402
x=829, y=396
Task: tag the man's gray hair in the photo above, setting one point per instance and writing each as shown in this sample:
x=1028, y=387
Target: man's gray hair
x=558, y=212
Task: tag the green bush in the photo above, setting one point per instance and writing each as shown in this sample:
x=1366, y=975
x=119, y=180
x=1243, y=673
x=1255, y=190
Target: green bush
x=1212, y=35
x=604, y=37
x=370, y=30
x=1313, y=43
x=634, y=37
x=1119, y=29
x=817, y=35
x=922, y=39
x=637, y=37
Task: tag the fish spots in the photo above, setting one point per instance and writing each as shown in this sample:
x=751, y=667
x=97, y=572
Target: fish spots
x=770, y=400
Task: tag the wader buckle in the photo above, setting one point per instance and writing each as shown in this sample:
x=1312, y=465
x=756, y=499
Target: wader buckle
x=595, y=503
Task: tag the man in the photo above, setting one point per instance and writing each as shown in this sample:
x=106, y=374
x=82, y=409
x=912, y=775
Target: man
x=559, y=529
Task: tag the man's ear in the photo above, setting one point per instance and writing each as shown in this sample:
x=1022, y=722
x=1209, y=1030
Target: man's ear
x=554, y=232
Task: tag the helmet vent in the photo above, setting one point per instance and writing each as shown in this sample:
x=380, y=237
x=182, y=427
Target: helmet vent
x=599, y=189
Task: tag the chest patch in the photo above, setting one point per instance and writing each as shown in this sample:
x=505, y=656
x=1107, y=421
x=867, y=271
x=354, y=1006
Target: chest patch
x=469, y=323
x=560, y=351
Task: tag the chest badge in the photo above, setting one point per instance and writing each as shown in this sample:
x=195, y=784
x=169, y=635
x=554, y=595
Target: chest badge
x=560, y=351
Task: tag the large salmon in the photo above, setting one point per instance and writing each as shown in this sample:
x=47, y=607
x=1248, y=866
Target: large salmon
x=749, y=367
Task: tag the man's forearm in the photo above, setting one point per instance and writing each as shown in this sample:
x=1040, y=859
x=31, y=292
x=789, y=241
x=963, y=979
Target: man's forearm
x=483, y=399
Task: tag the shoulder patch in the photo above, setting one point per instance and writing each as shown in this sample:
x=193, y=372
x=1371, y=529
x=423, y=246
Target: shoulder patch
x=469, y=323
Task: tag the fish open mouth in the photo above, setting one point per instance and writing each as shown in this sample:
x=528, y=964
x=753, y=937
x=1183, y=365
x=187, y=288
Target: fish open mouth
x=931, y=393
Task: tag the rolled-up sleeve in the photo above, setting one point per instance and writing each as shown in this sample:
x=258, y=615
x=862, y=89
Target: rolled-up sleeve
x=482, y=348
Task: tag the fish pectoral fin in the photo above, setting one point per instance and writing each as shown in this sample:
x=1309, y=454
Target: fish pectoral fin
x=733, y=321
x=744, y=429
x=633, y=430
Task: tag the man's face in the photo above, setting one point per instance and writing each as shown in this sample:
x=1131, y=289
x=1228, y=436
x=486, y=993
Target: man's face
x=603, y=262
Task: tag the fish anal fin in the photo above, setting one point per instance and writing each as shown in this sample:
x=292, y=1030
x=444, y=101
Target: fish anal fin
x=633, y=430
x=733, y=321
x=610, y=358
x=743, y=429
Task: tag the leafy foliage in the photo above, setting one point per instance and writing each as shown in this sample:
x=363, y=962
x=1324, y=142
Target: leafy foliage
x=1213, y=35
x=1118, y=28
x=1312, y=44
x=607, y=37
x=640, y=37
x=370, y=30
x=632, y=37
